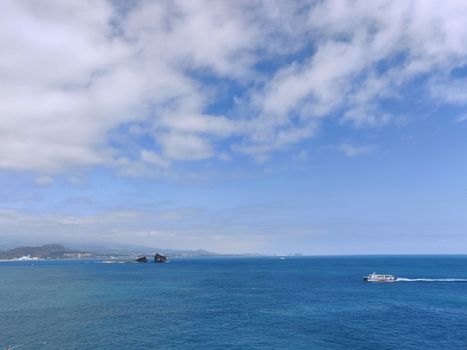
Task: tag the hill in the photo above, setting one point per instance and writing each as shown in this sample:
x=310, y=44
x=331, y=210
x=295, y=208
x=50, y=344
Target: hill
x=48, y=251
x=58, y=251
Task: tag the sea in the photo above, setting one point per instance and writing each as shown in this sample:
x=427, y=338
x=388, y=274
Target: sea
x=236, y=303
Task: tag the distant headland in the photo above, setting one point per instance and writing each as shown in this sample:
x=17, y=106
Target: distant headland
x=47, y=251
x=60, y=252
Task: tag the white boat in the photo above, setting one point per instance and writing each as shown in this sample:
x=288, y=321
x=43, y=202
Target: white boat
x=374, y=277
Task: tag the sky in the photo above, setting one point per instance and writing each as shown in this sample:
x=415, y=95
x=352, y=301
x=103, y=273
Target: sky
x=273, y=127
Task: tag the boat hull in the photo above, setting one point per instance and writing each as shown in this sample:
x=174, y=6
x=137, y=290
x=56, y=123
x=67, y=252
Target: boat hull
x=366, y=279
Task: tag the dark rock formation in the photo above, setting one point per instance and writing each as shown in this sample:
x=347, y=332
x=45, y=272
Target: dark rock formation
x=158, y=258
x=143, y=259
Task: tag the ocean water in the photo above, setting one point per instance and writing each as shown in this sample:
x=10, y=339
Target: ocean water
x=235, y=303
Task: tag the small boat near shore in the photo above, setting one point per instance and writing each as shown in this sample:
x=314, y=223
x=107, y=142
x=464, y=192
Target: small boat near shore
x=374, y=277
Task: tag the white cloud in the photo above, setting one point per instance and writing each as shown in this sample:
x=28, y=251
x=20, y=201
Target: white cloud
x=452, y=91
x=461, y=118
x=351, y=150
x=366, y=52
x=167, y=228
x=44, y=180
x=75, y=73
x=185, y=146
x=153, y=158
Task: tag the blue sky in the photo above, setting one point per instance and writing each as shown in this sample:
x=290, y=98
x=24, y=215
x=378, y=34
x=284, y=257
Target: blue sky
x=330, y=127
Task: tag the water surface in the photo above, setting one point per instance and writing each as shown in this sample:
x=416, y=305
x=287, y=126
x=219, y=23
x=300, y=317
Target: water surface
x=235, y=303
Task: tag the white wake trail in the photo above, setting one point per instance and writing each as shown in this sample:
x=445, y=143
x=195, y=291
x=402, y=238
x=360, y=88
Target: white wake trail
x=400, y=279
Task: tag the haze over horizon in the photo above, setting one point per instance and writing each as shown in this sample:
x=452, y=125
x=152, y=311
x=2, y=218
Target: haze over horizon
x=273, y=127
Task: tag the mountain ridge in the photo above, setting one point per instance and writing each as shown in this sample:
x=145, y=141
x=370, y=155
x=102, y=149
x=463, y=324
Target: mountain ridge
x=59, y=251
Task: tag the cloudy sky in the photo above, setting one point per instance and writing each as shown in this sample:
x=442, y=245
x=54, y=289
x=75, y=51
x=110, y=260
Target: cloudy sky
x=319, y=127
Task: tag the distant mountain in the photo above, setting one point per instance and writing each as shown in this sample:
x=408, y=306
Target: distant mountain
x=133, y=249
x=48, y=251
x=89, y=251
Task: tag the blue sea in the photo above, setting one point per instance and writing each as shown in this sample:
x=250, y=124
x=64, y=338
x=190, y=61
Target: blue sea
x=235, y=303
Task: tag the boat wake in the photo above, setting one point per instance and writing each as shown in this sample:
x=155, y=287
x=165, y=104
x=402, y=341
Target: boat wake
x=400, y=279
